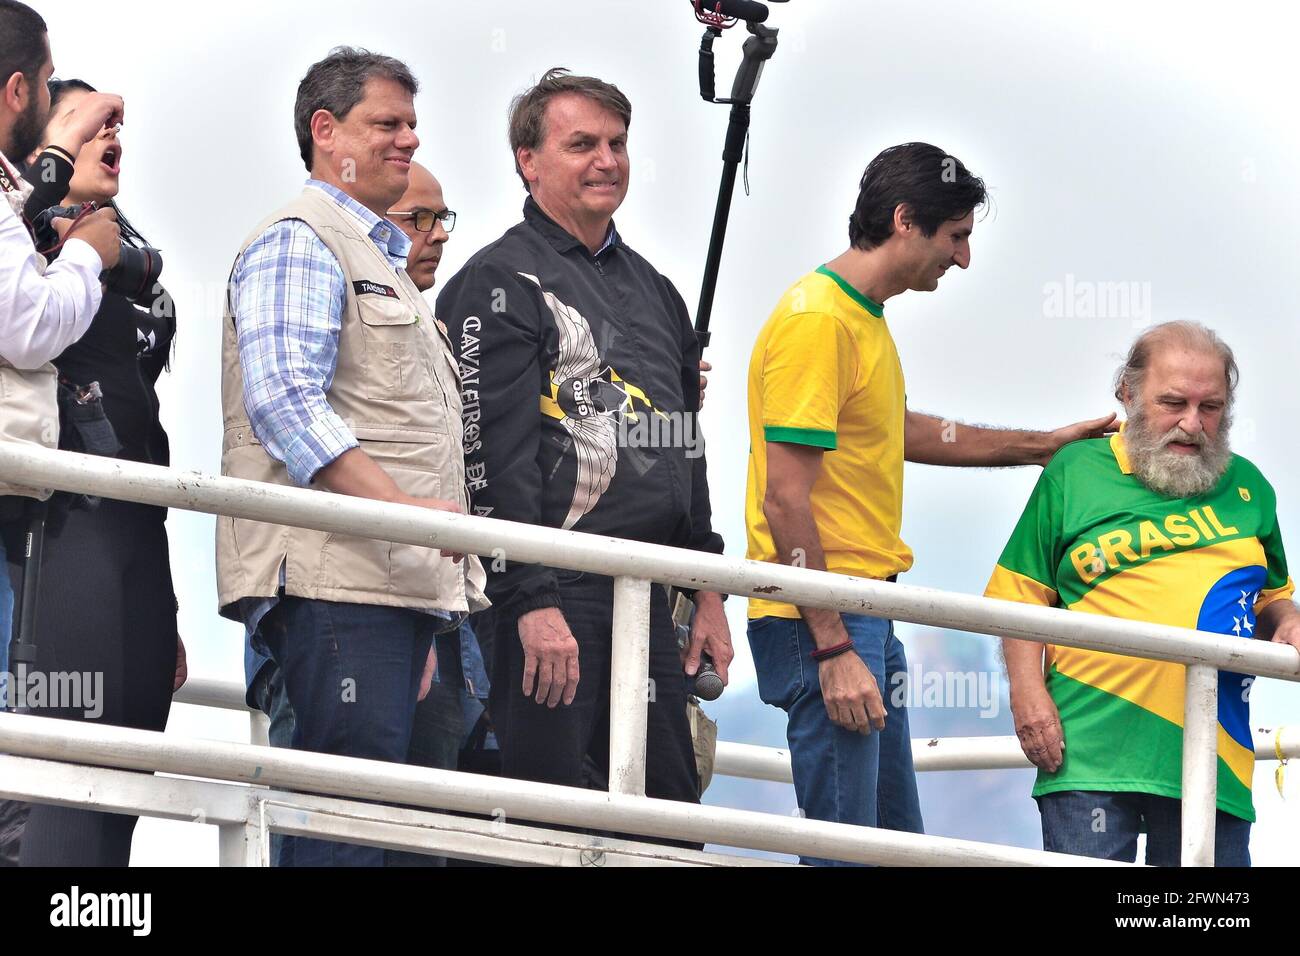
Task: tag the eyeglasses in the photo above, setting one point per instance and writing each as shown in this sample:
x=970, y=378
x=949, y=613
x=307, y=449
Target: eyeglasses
x=425, y=218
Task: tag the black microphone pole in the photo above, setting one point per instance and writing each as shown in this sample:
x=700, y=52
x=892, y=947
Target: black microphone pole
x=758, y=50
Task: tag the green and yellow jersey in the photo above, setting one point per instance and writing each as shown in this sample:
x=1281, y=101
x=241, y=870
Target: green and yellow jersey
x=1095, y=539
x=825, y=373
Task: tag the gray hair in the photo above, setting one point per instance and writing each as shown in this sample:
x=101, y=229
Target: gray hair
x=1189, y=335
x=337, y=83
x=528, y=109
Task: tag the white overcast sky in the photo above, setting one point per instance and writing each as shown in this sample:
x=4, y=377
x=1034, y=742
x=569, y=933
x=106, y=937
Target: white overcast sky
x=1152, y=145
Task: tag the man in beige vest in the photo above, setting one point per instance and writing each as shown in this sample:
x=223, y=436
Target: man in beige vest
x=336, y=376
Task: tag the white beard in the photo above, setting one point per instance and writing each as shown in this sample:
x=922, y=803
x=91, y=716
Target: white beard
x=1169, y=473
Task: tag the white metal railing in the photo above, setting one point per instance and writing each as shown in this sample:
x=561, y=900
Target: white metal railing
x=634, y=565
x=754, y=762
x=500, y=798
x=244, y=815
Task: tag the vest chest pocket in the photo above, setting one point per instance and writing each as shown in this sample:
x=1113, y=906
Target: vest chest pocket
x=396, y=348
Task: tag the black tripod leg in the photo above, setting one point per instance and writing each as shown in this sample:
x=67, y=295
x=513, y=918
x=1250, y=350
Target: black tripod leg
x=24, y=644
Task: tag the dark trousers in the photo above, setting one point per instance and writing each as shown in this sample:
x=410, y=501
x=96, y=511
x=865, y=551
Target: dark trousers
x=436, y=735
x=440, y=718
x=107, y=608
x=438, y=730
x=268, y=694
x=551, y=745
x=352, y=675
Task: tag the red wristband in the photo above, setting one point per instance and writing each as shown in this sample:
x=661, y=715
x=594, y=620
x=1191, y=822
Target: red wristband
x=826, y=653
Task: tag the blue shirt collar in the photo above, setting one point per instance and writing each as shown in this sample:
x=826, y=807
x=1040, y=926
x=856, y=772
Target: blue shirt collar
x=560, y=238
x=386, y=235
x=611, y=238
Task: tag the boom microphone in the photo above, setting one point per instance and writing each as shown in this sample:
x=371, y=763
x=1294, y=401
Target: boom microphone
x=748, y=10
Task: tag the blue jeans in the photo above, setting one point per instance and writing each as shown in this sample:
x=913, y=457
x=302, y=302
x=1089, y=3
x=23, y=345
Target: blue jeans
x=267, y=694
x=352, y=676
x=839, y=775
x=1105, y=824
x=438, y=730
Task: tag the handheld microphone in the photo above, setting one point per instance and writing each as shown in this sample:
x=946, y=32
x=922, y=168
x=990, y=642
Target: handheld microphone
x=748, y=10
x=708, y=685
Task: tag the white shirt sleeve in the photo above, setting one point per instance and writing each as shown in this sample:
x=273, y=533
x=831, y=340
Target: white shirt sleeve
x=42, y=314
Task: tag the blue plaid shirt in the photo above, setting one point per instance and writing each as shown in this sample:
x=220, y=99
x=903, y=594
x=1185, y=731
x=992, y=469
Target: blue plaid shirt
x=288, y=293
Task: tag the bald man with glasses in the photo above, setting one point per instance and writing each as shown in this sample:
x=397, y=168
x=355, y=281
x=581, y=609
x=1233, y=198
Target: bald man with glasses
x=423, y=215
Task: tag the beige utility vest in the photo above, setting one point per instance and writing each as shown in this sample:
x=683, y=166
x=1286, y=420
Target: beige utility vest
x=29, y=415
x=29, y=404
x=398, y=389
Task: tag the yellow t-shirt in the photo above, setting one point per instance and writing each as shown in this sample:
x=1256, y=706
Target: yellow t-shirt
x=825, y=373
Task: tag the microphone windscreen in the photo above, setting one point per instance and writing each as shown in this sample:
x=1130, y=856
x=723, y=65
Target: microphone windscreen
x=749, y=10
x=708, y=686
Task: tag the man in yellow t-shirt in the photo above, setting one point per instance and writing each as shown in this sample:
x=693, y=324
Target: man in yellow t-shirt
x=829, y=430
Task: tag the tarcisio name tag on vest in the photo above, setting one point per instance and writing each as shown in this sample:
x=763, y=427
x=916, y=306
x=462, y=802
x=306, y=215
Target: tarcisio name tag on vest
x=366, y=287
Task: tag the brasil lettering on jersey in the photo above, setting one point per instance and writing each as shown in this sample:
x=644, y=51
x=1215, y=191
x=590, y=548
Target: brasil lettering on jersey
x=1178, y=532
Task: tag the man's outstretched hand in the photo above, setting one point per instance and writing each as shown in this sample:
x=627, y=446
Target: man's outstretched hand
x=1093, y=428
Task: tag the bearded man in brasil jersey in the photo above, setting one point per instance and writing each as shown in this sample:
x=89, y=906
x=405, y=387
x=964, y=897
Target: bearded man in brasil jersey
x=1160, y=523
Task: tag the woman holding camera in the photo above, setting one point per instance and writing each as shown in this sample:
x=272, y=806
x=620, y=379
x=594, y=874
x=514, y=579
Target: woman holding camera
x=107, y=607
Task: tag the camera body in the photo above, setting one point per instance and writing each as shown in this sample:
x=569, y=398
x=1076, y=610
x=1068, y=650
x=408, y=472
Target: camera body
x=137, y=269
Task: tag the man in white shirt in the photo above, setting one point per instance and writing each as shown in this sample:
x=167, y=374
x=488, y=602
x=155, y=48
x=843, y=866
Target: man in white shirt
x=43, y=308
x=43, y=311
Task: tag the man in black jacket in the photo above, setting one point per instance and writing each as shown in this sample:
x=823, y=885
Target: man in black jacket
x=580, y=378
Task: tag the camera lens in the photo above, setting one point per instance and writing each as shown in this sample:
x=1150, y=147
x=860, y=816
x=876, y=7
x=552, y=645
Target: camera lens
x=136, y=272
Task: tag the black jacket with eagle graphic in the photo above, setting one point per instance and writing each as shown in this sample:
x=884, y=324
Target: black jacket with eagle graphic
x=580, y=386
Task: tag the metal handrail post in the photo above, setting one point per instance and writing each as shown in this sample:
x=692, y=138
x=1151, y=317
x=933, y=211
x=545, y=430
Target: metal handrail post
x=1200, y=764
x=241, y=844
x=631, y=691
x=259, y=729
